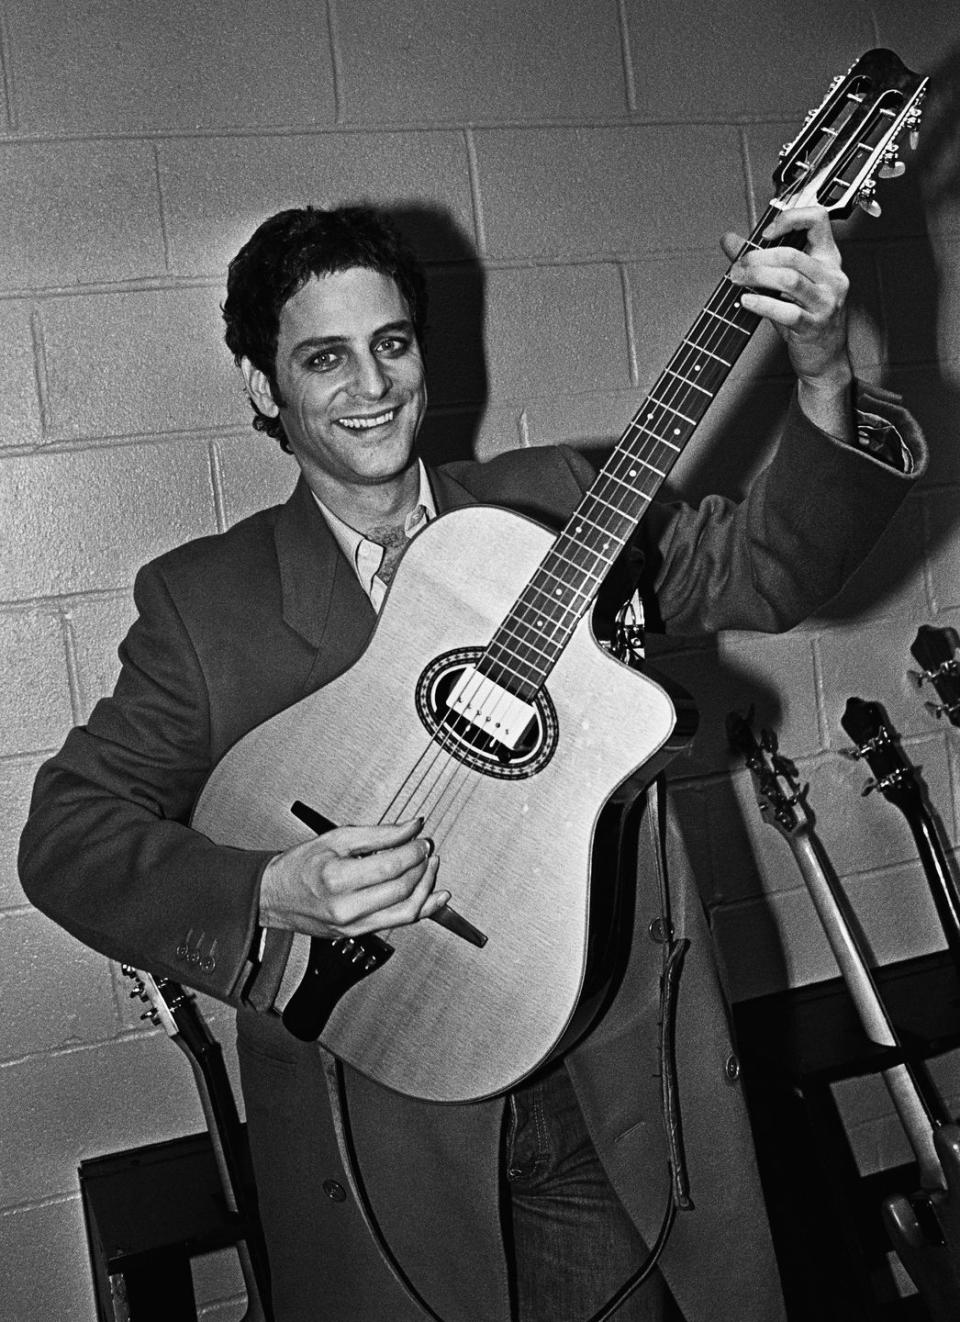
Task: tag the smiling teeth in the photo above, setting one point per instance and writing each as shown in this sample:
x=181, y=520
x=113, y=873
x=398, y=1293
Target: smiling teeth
x=365, y=424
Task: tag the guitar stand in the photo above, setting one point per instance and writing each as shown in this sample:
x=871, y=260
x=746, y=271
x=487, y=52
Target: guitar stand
x=831, y=1244
x=148, y=1212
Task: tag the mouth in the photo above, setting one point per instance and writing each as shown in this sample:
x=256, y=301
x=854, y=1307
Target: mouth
x=368, y=422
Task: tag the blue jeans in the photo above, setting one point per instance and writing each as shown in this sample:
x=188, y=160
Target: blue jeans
x=573, y=1244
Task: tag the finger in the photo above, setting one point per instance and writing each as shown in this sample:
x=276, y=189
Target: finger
x=788, y=281
x=732, y=243
x=816, y=222
x=392, y=904
x=783, y=312
x=349, y=841
x=422, y=901
x=357, y=873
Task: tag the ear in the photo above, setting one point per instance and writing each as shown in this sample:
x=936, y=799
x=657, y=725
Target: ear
x=258, y=388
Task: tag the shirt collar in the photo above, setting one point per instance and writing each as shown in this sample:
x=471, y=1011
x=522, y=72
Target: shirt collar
x=364, y=555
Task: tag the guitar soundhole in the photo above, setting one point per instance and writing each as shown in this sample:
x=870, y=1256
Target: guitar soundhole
x=472, y=746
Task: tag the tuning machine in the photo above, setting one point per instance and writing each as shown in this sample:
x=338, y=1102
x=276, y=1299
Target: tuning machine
x=866, y=201
x=892, y=167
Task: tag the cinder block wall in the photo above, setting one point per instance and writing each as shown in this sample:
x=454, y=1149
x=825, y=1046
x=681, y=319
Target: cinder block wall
x=567, y=170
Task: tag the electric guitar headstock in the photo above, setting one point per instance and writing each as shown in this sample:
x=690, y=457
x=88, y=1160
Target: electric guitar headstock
x=775, y=780
x=875, y=741
x=852, y=137
x=172, y=1008
x=938, y=652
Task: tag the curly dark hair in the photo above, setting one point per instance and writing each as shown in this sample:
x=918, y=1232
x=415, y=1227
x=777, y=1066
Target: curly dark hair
x=280, y=257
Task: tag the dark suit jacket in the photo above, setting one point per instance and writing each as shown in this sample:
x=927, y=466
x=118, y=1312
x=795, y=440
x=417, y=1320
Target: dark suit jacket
x=235, y=628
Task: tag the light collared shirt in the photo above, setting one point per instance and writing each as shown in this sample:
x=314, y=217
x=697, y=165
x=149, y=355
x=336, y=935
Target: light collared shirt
x=366, y=556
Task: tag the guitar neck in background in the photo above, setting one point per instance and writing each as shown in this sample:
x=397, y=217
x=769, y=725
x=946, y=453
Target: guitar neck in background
x=916, y=1109
x=895, y=778
x=174, y=1009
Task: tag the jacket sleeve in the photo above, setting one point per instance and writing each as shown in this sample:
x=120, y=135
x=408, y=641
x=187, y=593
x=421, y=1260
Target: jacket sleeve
x=806, y=523
x=107, y=851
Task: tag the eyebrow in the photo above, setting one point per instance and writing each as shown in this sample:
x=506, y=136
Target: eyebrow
x=312, y=342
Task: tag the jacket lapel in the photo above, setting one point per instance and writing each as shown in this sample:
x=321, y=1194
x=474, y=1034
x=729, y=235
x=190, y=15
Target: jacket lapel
x=322, y=599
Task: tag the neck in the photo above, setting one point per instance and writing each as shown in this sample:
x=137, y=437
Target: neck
x=364, y=507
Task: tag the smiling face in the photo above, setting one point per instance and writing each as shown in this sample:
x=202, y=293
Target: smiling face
x=351, y=388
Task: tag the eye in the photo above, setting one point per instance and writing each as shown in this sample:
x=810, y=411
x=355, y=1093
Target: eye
x=324, y=360
x=392, y=346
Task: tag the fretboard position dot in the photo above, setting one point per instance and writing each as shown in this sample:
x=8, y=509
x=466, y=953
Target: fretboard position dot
x=676, y=431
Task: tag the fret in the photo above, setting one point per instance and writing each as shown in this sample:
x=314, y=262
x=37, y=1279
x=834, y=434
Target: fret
x=522, y=687
x=557, y=594
x=686, y=380
x=585, y=573
x=598, y=500
x=709, y=352
x=580, y=558
x=635, y=429
x=727, y=322
x=612, y=519
x=597, y=527
x=547, y=655
x=676, y=412
x=662, y=439
x=622, y=481
x=521, y=652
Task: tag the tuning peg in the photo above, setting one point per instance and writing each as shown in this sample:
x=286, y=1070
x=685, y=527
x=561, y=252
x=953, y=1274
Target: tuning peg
x=869, y=204
x=892, y=169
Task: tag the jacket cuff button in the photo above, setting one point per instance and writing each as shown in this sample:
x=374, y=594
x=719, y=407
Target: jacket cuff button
x=334, y=1191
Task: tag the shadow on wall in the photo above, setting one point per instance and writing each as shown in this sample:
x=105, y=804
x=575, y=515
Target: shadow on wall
x=916, y=284
x=454, y=343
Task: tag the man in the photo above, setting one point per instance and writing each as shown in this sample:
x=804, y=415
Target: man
x=378, y=1207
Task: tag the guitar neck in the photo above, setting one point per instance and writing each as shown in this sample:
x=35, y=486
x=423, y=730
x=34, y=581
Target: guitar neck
x=936, y=869
x=832, y=910
x=530, y=640
x=205, y=1056
x=908, y=1098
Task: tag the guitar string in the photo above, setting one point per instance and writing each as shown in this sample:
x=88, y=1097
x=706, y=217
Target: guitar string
x=444, y=738
x=723, y=314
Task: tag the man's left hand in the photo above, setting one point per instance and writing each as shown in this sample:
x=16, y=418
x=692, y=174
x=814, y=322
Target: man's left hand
x=803, y=291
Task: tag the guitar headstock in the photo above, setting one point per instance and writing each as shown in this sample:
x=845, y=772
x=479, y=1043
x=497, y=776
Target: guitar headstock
x=170, y=1007
x=938, y=651
x=775, y=780
x=852, y=137
x=875, y=741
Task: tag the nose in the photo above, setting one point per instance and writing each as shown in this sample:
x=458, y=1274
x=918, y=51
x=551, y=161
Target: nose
x=370, y=380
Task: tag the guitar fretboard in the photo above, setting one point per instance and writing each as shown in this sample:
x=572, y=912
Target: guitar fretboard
x=528, y=644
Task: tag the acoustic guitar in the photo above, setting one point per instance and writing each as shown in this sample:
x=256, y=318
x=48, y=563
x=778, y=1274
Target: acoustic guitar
x=484, y=704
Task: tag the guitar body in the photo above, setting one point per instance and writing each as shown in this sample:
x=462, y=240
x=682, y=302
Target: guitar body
x=444, y=1019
